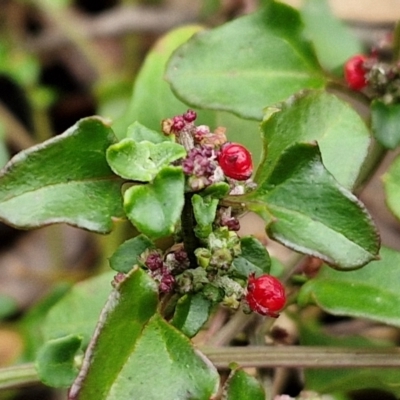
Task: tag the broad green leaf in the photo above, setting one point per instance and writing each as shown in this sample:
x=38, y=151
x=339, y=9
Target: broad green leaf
x=204, y=209
x=344, y=380
x=55, y=361
x=191, y=313
x=155, y=208
x=152, y=100
x=370, y=292
x=391, y=181
x=254, y=258
x=139, y=133
x=322, y=117
x=242, y=386
x=126, y=256
x=143, y=346
x=333, y=42
x=78, y=311
x=385, y=121
x=308, y=211
x=247, y=64
x=65, y=179
x=141, y=161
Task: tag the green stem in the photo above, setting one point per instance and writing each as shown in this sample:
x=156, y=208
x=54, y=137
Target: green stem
x=21, y=375
x=190, y=241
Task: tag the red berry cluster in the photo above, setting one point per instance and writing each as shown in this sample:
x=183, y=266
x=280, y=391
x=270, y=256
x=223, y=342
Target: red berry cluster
x=265, y=295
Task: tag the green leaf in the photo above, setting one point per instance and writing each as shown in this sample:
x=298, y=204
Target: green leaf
x=152, y=101
x=371, y=292
x=254, y=258
x=391, y=181
x=332, y=40
x=344, y=380
x=65, y=179
x=78, y=311
x=155, y=208
x=308, y=211
x=204, y=209
x=317, y=116
x=191, y=313
x=385, y=119
x=242, y=386
x=247, y=64
x=143, y=346
x=126, y=256
x=140, y=133
x=142, y=161
x=55, y=361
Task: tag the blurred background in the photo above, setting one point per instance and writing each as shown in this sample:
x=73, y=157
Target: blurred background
x=61, y=60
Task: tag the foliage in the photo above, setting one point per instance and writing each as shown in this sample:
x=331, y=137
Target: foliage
x=260, y=80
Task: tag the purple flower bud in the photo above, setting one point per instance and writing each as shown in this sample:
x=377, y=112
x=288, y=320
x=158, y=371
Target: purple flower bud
x=167, y=282
x=178, y=123
x=189, y=116
x=154, y=261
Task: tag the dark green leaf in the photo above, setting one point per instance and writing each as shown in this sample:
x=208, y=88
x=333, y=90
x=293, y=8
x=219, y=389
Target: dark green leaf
x=204, y=209
x=55, y=361
x=322, y=117
x=65, y=179
x=155, y=208
x=242, y=386
x=141, y=161
x=333, y=42
x=308, y=211
x=139, y=133
x=391, y=181
x=254, y=258
x=371, y=292
x=143, y=348
x=385, y=121
x=247, y=64
x=126, y=256
x=192, y=312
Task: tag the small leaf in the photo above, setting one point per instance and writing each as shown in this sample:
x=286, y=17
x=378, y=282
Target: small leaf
x=142, y=161
x=322, y=117
x=391, y=181
x=191, y=313
x=308, y=211
x=140, y=133
x=385, y=120
x=55, y=361
x=266, y=61
x=254, y=258
x=370, y=292
x=242, y=386
x=126, y=256
x=333, y=42
x=143, y=346
x=204, y=209
x=217, y=190
x=155, y=208
x=65, y=179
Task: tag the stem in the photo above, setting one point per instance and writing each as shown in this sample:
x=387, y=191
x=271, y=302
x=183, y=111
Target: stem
x=13, y=377
x=303, y=357
x=190, y=241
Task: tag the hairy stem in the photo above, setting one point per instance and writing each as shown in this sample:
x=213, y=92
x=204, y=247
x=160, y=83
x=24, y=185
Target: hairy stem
x=190, y=241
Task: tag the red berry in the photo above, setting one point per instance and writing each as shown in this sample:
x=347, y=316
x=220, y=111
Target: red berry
x=265, y=295
x=189, y=116
x=235, y=161
x=354, y=72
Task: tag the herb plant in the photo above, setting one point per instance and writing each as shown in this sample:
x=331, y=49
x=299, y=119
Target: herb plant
x=184, y=172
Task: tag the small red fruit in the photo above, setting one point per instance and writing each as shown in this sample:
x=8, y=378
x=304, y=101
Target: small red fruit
x=354, y=72
x=235, y=161
x=265, y=295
